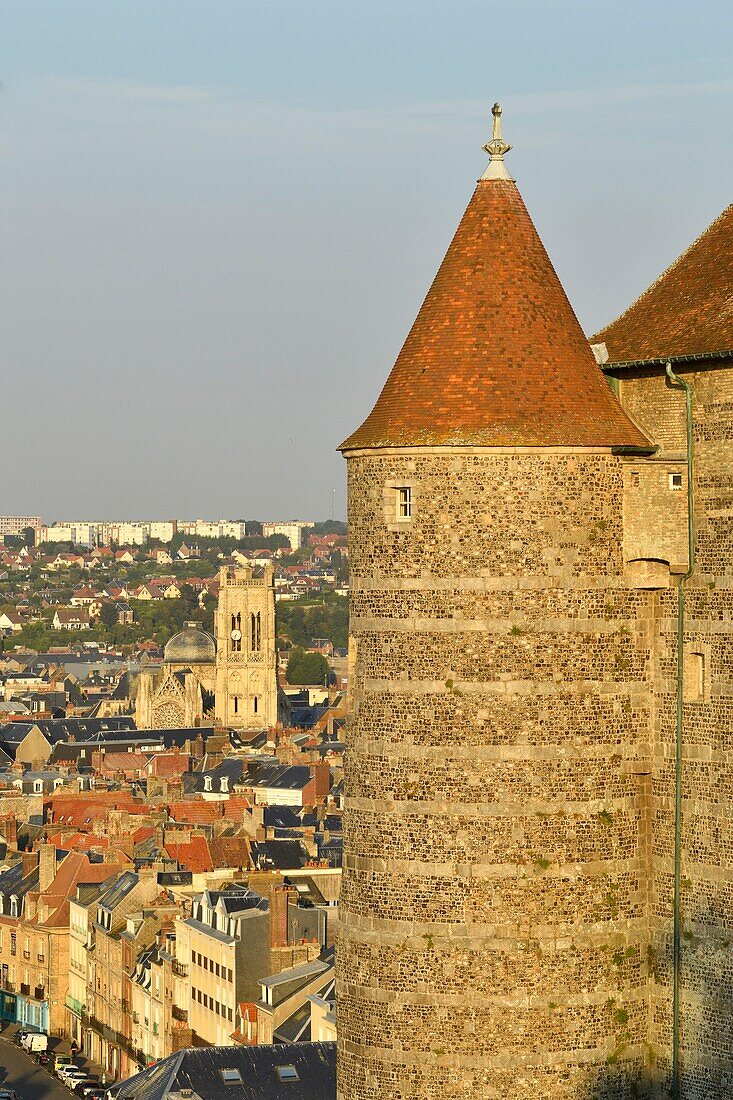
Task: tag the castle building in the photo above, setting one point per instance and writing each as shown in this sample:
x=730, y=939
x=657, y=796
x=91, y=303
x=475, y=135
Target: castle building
x=230, y=679
x=518, y=544
x=684, y=324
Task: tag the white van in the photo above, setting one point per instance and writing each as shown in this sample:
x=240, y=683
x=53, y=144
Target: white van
x=34, y=1042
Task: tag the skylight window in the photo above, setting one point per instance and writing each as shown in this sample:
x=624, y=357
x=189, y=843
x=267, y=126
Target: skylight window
x=286, y=1073
x=231, y=1077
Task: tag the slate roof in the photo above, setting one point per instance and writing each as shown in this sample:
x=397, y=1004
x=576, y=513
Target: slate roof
x=62, y=729
x=687, y=311
x=278, y=855
x=496, y=356
x=200, y=1071
x=288, y=777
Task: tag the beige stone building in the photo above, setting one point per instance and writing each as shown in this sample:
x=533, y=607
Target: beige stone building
x=519, y=549
x=231, y=678
x=181, y=693
x=223, y=946
x=246, y=677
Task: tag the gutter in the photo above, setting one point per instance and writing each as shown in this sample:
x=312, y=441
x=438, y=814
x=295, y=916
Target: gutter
x=700, y=357
x=675, y=380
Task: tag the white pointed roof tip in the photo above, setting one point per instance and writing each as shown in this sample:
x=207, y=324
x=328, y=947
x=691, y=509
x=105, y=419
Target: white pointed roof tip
x=496, y=148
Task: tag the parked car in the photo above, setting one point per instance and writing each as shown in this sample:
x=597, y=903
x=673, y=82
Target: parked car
x=97, y=1094
x=20, y=1035
x=44, y=1058
x=8, y=1094
x=71, y=1071
x=60, y=1060
x=91, y=1085
x=71, y=1079
x=65, y=1067
x=86, y=1084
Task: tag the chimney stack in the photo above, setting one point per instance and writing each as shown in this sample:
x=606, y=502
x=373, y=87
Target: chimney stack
x=29, y=861
x=46, y=866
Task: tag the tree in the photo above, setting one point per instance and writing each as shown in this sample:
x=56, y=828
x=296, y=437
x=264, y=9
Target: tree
x=306, y=668
x=108, y=615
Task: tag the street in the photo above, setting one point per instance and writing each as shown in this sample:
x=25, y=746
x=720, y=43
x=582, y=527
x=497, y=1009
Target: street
x=32, y=1082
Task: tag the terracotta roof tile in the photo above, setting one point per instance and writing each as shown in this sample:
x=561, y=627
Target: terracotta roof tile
x=193, y=855
x=496, y=356
x=687, y=311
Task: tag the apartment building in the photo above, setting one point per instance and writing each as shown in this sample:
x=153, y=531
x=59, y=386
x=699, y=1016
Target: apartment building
x=224, y=945
x=122, y=925
x=82, y=910
x=35, y=935
x=16, y=525
x=295, y=531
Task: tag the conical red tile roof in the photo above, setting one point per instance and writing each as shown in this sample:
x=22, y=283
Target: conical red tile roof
x=496, y=357
x=689, y=309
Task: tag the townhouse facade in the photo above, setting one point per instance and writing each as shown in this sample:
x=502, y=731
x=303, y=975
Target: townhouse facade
x=224, y=947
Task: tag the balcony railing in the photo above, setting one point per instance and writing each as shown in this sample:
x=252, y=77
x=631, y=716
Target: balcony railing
x=26, y=954
x=180, y=969
x=180, y=1014
x=25, y=989
x=40, y=993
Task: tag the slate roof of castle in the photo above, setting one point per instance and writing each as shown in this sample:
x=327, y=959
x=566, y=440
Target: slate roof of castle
x=688, y=311
x=496, y=356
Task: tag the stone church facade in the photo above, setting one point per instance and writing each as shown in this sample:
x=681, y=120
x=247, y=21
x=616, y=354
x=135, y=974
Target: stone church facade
x=518, y=545
x=229, y=679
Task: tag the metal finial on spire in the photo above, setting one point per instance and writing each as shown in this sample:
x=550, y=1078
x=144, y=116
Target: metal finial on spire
x=496, y=148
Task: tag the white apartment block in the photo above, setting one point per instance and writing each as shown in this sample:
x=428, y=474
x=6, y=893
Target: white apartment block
x=295, y=531
x=113, y=533
x=213, y=529
x=16, y=525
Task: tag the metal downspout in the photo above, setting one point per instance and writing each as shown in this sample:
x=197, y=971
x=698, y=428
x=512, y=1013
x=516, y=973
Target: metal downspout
x=674, y=380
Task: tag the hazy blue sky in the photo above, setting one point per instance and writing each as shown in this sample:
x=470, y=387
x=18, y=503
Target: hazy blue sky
x=219, y=217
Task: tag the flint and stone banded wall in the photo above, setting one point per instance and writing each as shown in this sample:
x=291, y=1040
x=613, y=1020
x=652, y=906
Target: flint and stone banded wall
x=495, y=891
x=706, y=1011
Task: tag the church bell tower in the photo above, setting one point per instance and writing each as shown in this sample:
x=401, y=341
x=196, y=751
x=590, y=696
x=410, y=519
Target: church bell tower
x=246, y=673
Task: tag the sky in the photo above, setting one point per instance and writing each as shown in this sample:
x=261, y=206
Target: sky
x=219, y=217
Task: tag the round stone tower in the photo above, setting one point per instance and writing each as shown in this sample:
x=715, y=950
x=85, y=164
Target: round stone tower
x=494, y=913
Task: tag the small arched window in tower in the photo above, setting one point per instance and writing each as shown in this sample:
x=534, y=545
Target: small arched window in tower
x=236, y=633
x=256, y=632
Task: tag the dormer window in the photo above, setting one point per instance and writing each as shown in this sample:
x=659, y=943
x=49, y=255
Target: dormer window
x=207, y=782
x=224, y=784
x=38, y=786
x=287, y=1073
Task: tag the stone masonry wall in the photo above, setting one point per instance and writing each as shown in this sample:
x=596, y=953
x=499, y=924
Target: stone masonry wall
x=494, y=938
x=706, y=1012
